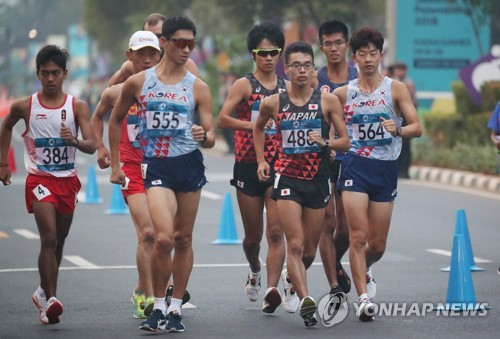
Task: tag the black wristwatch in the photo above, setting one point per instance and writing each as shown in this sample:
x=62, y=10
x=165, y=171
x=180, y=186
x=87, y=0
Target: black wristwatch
x=204, y=137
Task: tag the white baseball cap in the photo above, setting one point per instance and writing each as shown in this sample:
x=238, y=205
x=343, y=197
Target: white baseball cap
x=141, y=39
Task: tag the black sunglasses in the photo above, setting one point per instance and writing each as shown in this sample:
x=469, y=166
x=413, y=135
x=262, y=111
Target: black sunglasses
x=265, y=52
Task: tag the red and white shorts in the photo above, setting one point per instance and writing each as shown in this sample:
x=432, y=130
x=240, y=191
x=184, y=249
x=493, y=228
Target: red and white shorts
x=135, y=183
x=61, y=192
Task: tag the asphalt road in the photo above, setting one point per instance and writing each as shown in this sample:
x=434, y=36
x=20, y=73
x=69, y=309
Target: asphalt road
x=98, y=275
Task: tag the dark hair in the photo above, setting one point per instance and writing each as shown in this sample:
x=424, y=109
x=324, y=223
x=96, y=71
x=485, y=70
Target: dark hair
x=153, y=19
x=265, y=30
x=400, y=65
x=298, y=47
x=332, y=27
x=364, y=36
x=52, y=53
x=175, y=23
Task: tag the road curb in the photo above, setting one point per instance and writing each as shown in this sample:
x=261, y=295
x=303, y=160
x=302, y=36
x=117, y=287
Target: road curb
x=473, y=180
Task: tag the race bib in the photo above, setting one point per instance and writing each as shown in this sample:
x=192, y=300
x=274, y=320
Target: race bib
x=166, y=119
x=54, y=154
x=367, y=130
x=295, y=134
x=133, y=130
x=41, y=192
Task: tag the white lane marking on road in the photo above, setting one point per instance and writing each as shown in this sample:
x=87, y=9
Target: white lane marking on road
x=26, y=233
x=471, y=191
x=121, y=267
x=79, y=261
x=211, y=195
x=448, y=254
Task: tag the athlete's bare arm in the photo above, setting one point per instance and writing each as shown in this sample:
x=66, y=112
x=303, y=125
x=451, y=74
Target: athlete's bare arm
x=332, y=107
x=108, y=99
x=239, y=91
x=403, y=103
x=128, y=96
x=82, y=113
x=18, y=111
x=268, y=110
x=204, y=134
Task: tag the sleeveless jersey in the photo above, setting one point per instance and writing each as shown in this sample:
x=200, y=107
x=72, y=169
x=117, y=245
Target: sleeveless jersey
x=129, y=139
x=244, y=150
x=362, y=114
x=325, y=85
x=45, y=152
x=166, y=116
x=297, y=156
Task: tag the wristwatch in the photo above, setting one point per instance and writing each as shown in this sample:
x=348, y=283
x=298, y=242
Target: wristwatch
x=399, y=131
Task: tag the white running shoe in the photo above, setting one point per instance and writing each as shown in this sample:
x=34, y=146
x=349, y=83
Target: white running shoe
x=272, y=299
x=371, y=286
x=290, y=298
x=41, y=304
x=252, y=288
x=366, y=311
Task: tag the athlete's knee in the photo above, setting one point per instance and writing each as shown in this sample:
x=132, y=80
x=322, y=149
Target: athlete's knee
x=164, y=243
x=147, y=236
x=377, y=249
x=275, y=236
x=49, y=242
x=183, y=241
x=295, y=247
x=357, y=239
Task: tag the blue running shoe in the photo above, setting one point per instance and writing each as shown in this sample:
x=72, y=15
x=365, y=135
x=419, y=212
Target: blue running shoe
x=155, y=321
x=174, y=323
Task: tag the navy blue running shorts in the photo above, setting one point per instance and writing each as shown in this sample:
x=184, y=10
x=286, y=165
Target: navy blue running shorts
x=184, y=173
x=377, y=178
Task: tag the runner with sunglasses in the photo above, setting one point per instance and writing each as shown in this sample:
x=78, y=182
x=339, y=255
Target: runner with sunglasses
x=265, y=43
x=172, y=168
x=153, y=23
x=302, y=186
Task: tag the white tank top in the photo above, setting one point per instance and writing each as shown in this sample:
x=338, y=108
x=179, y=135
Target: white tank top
x=362, y=114
x=45, y=152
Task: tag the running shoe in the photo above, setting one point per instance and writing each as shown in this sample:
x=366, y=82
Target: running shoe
x=174, y=323
x=308, y=311
x=155, y=321
x=54, y=310
x=371, y=286
x=272, y=299
x=343, y=279
x=290, y=298
x=168, y=295
x=150, y=303
x=252, y=287
x=41, y=305
x=139, y=302
x=366, y=311
x=336, y=290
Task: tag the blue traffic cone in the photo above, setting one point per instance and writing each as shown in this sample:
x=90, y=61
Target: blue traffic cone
x=460, y=295
x=461, y=227
x=117, y=205
x=227, y=226
x=92, y=191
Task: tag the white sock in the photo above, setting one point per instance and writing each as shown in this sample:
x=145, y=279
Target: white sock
x=175, y=305
x=41, y=293
x=363, y=296
x=160, y=304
